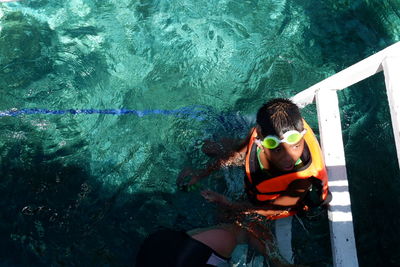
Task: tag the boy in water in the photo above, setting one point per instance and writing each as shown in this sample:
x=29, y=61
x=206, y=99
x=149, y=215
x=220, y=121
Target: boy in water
x=284, y=166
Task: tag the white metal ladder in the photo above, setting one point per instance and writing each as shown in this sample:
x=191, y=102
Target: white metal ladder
x=324, y=93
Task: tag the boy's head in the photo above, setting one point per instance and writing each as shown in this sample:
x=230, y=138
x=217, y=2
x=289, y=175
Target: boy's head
x=279, y=116
x=278, y=120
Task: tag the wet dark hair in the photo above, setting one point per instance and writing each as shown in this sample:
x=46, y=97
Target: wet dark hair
x=278, y=116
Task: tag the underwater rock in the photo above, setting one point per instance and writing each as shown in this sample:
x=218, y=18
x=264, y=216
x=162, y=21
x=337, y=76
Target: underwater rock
x=25, y=49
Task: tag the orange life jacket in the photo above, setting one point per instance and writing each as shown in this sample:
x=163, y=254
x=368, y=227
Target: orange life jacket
x=271, y=188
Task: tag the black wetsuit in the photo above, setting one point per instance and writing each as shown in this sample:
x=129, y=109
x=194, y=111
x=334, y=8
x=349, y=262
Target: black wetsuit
x=170, y=248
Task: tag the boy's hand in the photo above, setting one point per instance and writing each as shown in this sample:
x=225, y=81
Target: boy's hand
x=212, y=196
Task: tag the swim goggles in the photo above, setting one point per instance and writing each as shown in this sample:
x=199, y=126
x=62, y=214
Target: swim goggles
x=290, y=137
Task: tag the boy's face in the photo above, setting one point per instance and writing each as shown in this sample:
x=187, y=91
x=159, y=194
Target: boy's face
x=285, y=155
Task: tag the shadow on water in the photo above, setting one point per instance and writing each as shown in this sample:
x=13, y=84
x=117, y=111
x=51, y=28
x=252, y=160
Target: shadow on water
x=342, y=33
x=54, y=213
x=311, y=242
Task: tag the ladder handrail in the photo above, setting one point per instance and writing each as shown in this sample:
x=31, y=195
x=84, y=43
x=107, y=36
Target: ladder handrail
x=339, y=212
x=339, y=209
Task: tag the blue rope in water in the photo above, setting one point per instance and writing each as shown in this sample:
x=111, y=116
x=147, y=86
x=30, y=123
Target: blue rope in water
x=192, y=112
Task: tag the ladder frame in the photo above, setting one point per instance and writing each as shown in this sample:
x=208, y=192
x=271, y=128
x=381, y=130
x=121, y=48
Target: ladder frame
x=324, y=93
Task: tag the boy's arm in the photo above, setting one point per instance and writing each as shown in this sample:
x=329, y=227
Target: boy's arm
x=288, y=200
x=243, y=207
x=236, y=158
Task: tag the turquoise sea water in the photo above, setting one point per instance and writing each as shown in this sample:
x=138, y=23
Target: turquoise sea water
x=85, y=189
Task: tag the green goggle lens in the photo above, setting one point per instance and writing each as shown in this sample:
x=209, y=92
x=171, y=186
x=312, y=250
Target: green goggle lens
x=270, y=143
x=294, y=138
